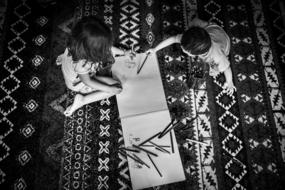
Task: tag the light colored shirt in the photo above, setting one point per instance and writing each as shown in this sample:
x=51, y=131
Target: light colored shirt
x=71, y=70
x=217, y=55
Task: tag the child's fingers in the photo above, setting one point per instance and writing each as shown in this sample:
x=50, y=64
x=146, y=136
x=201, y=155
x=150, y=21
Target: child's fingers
x=58, y=60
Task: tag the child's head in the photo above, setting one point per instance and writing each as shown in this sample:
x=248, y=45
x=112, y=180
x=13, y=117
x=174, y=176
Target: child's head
x=91, y=39
x=195, y=41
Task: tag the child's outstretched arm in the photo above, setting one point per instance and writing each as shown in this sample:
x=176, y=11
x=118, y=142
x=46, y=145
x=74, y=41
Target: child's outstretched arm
x=229, y=85
x=100, y=85
x=107, y=80
x=117, y=51
x=165, y=43
x=224, y=66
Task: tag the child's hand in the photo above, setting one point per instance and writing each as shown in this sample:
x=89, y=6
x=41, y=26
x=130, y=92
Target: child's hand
x=115, y=89
x=229, y=87
x=59, y=60
x=130, y=54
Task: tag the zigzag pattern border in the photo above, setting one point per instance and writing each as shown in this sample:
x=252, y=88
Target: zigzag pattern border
x=279, y=115
x=227, y=134
x=128, y=36
x=202, y=126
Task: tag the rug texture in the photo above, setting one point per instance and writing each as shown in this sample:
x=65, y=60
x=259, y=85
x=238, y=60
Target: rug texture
x=243, y=134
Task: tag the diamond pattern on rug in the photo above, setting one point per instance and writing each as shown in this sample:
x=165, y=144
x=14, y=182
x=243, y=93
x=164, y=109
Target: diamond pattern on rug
x=226, y=141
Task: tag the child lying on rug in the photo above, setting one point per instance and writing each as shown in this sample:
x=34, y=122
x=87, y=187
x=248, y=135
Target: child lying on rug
x=209, y=42
x=89, y=45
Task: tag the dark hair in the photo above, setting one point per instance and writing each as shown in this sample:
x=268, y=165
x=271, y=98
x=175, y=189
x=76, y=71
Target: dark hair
x=91, y=39
x=196, y=40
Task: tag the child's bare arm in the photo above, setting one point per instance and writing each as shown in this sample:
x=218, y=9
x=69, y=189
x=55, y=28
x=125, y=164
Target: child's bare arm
x=97, y=84
x=107, y=80
x=229, y=85
x=117, y=51
x=167, y=42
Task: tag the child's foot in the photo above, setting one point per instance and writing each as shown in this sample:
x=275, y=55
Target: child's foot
x=77, y=103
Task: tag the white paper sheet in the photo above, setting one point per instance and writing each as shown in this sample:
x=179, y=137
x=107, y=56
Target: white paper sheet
x=143, y=92
x=143, y=111
x=139, y=128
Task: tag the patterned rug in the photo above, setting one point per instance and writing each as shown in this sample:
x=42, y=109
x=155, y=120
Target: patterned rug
x=244, y=134
x=3, y=9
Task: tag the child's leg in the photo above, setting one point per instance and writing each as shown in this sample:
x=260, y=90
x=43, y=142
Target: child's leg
x=81, y=100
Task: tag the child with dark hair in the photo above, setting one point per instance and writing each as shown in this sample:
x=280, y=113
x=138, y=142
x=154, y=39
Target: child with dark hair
x=209, y=42
x=90, y=45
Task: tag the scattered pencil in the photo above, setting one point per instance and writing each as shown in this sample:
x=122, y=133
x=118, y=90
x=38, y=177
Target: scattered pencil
x=140, y=66
x=195, y=141
x=130, y=156
x=149, y=139
x=168, y=128
x=172, y=127
x=129, y=149
x=138, y=158
x=171, y=141
x=150, y=145
x=147, y=151
x=154, y=165
x=188, y=122
x=159, y=147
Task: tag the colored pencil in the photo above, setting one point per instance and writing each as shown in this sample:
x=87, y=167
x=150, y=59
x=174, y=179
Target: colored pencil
x=128, y=149
x=172, y=127
x=130, y=156
x=140, y=66
x=167, y=129
x=150, y=145
x=149, y=139
x=187, y=127
x=147, y=151
x=171, y=141
x=159, y=147
x=141, y=160
x=167, y=126
x=154, y=165
x=195, y=141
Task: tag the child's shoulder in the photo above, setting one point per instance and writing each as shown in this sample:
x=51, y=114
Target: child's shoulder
x=82, y=67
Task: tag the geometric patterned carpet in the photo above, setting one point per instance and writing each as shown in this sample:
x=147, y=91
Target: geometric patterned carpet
x=243, y=133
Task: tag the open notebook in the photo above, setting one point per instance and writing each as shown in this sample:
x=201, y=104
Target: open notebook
x=143, y=92
x=143, y=111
